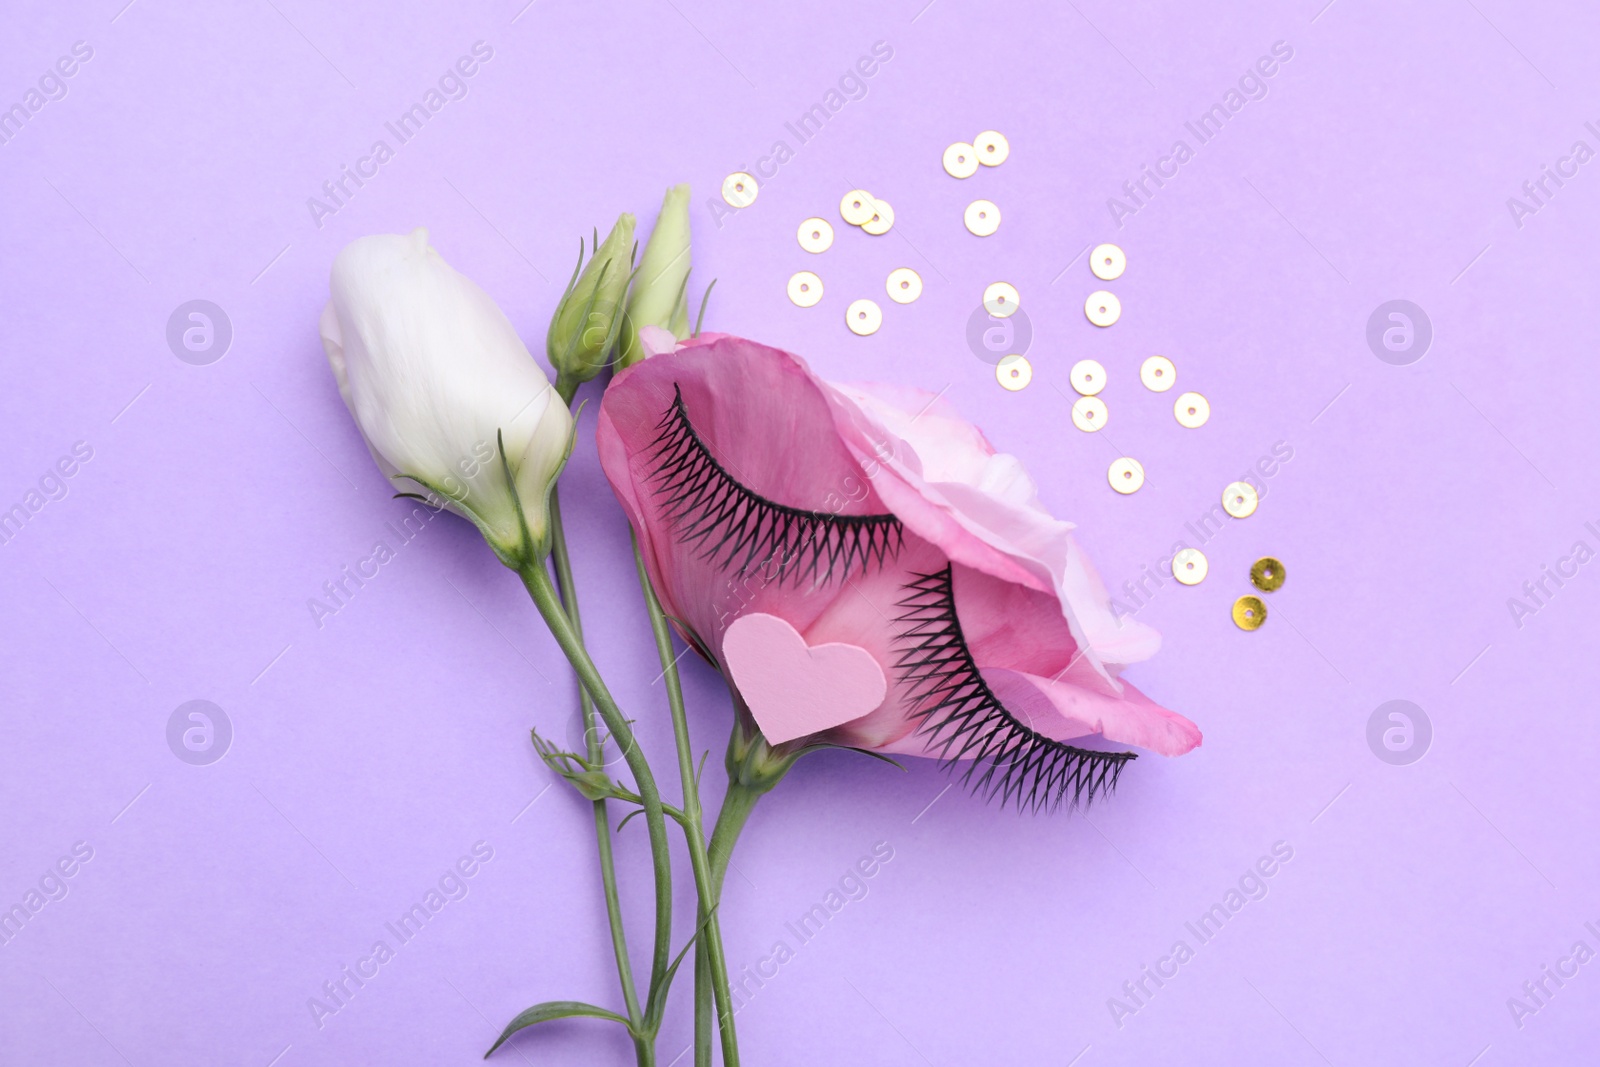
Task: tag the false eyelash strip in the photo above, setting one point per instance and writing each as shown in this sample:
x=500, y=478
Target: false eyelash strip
x=735, y=529
x=965, y=720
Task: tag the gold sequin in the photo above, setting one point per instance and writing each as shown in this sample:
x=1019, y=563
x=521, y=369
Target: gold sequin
x=1249, y=613
x=1266, y=574
x=1126, y=475
x=1103, y=308
x=992, y=148
x=1158, y=374
x=1192, y=410
x=1001, y=300
x=1240, y=500
x=856, y=207
x=1189, y=566
x=863, y=317
x=805, y=288
x=1107, y=262
x=903, y=285
x=816, y=235
x=961, y=160
x=982, y=217
x=1088, y=376
x=739, y=189
x=1089, y=414
x=1014, y=372
x=882, y=218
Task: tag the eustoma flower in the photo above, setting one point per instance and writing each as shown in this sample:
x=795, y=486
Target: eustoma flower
x=869, y=572
x=659, y=298
x=589, y=320
x=438, y=381
x=450, y=402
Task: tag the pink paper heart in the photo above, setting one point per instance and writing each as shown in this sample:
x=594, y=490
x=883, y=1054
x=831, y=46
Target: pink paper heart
x=794, y=689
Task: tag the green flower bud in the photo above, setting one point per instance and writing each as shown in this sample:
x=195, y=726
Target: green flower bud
x=589, y=319
x=659, y=296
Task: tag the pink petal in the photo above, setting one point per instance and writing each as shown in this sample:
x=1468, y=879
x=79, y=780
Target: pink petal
x=766, y=420
x=946, y=482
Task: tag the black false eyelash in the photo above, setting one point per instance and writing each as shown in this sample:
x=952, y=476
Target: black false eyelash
x=738, y=530
x=965, y=720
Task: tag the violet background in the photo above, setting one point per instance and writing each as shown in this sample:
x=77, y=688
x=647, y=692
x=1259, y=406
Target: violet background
x=370, y=753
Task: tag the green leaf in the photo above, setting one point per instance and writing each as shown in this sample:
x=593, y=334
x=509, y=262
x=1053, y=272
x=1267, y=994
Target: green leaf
x=658, y=997
x=675, y=814
x=555, y=1009
x=865, y=752
x=704, y=300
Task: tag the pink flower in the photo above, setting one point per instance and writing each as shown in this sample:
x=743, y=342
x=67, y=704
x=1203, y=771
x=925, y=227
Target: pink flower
x=877, y=520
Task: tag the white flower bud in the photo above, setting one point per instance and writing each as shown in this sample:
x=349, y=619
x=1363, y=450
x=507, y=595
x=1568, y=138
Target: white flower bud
x=437, y=378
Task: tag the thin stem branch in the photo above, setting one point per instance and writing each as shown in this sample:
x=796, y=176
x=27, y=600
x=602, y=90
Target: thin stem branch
x=543, y=591
x=602, y=822
x=737, y=804
x=711, y=969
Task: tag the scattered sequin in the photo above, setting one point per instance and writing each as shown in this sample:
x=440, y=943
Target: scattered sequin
x=982, y=217
x=882, y=218
x=1249, y=613
x=961, y=160
x=1192, y=410
x=805, y=289
x=816, y=235
x=1158, y=374
x=1014, y=372
x=904, y=285
x=1001, y=300
x=992, y=148
x=863, y=317
x=1267, y=575
x=856, y=207
x=1240, y=500
x=1103, y=308
x=1089, y=414
x=1108, y=262
x=1126, y=475
x=739, y=189
x=1189, y=566
x=1088, y=377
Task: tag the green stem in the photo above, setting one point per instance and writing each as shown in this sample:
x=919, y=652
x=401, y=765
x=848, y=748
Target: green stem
x=710, y=964
x=754, y=769
x=543, y=591
x=737, y=804
x=567, y=390
x=602, y=823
